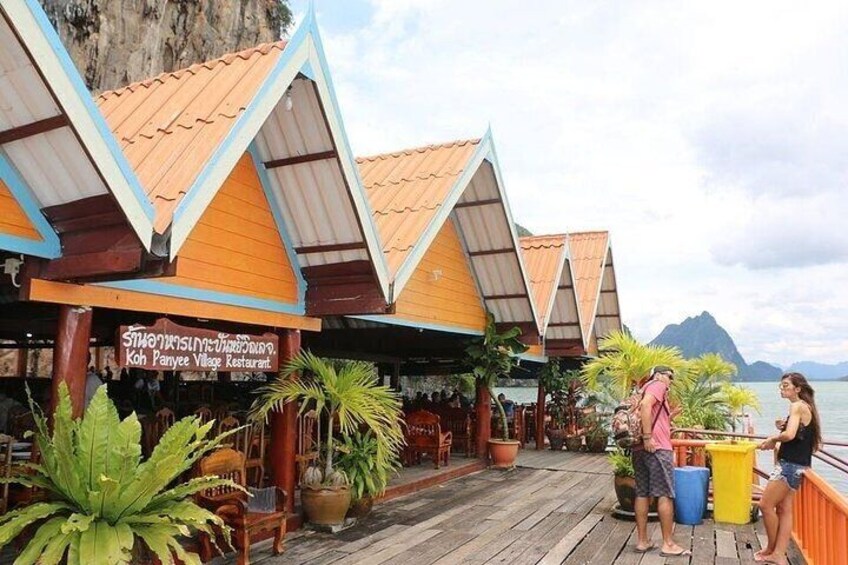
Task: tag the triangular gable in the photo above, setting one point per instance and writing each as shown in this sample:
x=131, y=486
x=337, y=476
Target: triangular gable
x=608, y=316
x=442, y=291
x=185, y=131
x=23, y=229
x=50, y=129
x=549, y=268
x=238, y=253
x=417, y=190
x=589, y=252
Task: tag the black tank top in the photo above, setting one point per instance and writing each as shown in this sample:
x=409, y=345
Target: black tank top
x=800, y=449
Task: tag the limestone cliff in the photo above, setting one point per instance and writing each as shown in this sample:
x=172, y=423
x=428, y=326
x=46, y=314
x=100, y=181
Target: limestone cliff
x=116, y=42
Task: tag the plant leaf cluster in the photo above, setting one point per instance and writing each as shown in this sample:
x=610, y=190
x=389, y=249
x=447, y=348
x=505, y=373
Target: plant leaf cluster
x=101, y=498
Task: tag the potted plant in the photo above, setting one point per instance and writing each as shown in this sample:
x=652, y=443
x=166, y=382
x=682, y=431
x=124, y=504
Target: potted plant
x=367, y=473
x=342, y=392
x=493, y=356
x=597, y=433
x=103, y=504
x=624, y=479
x=565, y=389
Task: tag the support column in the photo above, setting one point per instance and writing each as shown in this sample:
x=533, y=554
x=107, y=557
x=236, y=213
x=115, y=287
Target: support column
x=394, y=380
x=540, y=417
x=282, y=448
x=21, y=370
x=70, y=355
x=483, y=411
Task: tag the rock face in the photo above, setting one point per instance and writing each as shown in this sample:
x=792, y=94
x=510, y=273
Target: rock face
x=702, y=334
x=116, y=42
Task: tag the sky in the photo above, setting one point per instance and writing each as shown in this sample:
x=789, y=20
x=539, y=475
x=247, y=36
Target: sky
x=709, y=138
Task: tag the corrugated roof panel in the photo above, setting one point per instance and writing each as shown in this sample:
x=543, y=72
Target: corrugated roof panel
x=170, y=125
x=544, y=257
x=406, y=189
x=483, y=186
x=588, y=251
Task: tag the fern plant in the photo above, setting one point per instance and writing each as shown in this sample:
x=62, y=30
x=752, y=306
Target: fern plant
x=368, y=474
x=102, y=499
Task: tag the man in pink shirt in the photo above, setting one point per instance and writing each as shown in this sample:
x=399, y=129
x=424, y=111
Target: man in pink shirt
x=653, y=463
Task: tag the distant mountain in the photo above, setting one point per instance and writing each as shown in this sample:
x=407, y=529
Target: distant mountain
x=820, y=371
x=702, y=334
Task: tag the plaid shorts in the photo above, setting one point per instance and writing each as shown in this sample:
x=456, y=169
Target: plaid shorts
x=654, y=473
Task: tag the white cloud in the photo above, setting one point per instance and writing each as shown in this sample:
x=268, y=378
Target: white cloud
x=710, y=140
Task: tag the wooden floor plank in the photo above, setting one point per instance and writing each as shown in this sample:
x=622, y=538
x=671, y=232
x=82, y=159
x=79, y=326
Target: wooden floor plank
x=561, y=550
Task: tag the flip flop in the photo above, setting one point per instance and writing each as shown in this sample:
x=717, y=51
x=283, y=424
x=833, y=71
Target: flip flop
x=681, y=553
x=645, y=549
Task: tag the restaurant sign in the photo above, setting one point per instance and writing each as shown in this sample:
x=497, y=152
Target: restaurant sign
x=166, y=346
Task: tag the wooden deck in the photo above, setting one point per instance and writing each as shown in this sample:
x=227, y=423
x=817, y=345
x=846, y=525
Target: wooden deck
x=554, y=508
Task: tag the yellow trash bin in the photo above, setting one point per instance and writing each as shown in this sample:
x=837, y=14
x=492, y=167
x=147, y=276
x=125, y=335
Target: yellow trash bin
x=733, y=467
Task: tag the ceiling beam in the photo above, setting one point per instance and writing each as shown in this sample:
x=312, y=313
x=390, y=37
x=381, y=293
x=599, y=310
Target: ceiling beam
x=477, y=203
x=491, y=252
x=608, y=315
x=610, y=291
x=309, y=249
x=34, y=128
x=564, y=325
x=298, y=159
x=503, y=296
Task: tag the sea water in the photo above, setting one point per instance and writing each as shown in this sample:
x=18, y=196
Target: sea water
x=831, y=399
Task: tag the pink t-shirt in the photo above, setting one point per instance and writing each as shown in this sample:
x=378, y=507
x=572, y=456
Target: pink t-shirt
x=662, y=429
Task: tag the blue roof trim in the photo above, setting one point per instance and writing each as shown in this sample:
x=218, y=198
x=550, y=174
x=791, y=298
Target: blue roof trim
x=152, y=286
x=308, y=71
x=94, y=113
x=281, y=225
x=265, y=90
x=393, y=320
x=50, y=247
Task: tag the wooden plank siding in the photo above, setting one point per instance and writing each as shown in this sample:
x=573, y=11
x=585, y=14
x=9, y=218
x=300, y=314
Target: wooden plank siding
x=13, y=219
x=449, y=299
x=236, y=246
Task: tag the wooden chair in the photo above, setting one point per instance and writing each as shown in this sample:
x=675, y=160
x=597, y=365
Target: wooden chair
x=204, y=413
x=255, y=454
x=307, y=450
x=227, y=424
x=457, y=421
x=20, y=421
x=231, y=505
x=424, y=435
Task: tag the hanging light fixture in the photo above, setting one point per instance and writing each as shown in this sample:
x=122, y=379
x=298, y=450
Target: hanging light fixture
x=288, y=100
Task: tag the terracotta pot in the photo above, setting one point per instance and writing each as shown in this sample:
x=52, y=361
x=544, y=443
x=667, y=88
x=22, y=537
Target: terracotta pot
x=625, y=491
x=360, y=508
x=503, y=453
x=574, y=443
x=326, y=506
x=556, y=437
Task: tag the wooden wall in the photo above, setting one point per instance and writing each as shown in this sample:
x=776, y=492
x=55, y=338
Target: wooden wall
x=447, y=299
x=236, y=246
x=13, y=220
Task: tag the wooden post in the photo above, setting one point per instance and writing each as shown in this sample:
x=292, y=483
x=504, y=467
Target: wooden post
x=21, y=370
x=282, y=448
x=394, y=380
x=540, y=417
x=483, y=409
x=70, y=355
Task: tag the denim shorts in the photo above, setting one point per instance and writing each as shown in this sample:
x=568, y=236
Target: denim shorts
x=790, y=472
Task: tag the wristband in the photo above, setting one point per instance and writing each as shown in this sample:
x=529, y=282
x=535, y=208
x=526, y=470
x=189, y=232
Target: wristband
x=646, y=436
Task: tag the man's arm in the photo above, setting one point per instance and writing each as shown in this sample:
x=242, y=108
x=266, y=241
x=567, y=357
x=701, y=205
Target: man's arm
x=646, y=412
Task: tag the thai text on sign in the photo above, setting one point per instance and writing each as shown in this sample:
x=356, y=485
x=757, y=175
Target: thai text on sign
x=166, y=346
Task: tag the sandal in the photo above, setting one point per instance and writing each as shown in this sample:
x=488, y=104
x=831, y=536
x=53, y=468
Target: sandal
x=681, y=553
x=645, y=549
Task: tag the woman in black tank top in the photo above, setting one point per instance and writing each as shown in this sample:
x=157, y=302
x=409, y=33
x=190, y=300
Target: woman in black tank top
x=799, y=437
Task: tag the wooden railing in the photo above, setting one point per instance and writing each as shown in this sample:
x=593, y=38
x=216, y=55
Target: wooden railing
x=820, y=513
x=820, y=522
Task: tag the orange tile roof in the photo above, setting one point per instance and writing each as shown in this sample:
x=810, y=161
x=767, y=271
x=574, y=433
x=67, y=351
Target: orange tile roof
x=543, y=260
x=170, y=125
x=588, y=252
x=407, y=188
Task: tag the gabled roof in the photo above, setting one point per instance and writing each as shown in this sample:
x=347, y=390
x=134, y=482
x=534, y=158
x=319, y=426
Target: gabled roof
x=544, y=258
x=414, y=191
x=407, y=188
x=549, y=268
x=185, y=131
x=51, y=133
x=594, y=280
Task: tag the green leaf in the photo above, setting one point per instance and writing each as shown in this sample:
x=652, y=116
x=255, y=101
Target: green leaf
x=94, y=438
x=49, y=530
x=14, y=522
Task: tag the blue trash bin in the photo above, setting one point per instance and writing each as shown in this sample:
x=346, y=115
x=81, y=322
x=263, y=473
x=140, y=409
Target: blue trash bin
x=691, y=485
